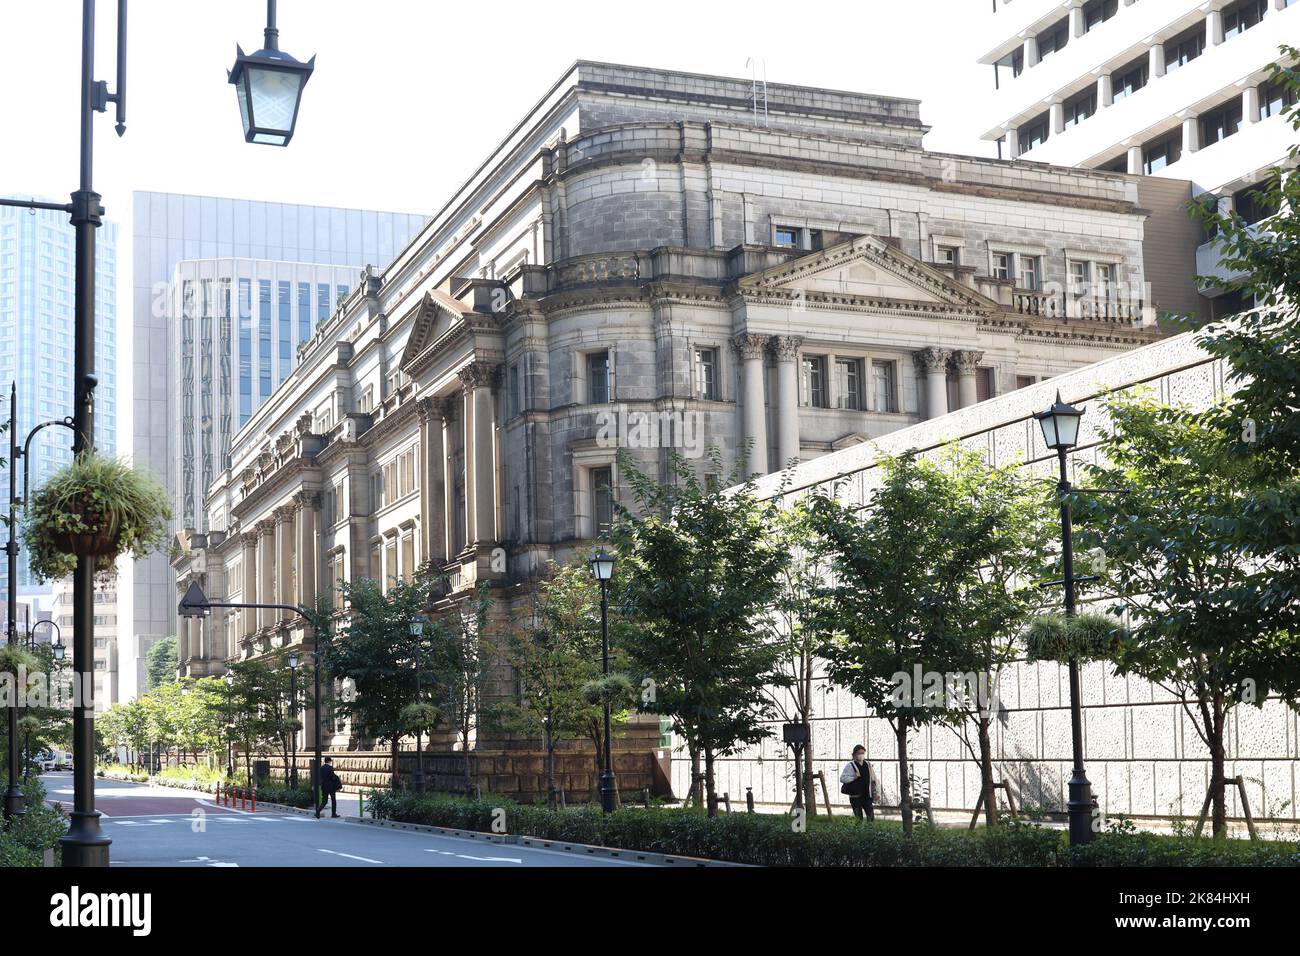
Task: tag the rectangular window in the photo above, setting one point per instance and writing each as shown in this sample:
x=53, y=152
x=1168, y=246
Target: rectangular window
x=848, y=383
x=1130, y=79
x=814, y=239
x=1221, y=123
x=984, y=389
x=787, y=236
x=882, y=375
x=1185, y=48
x=1241, y=16
x=1054, y=39
x=1024, y=381
x=264, y=369
x=286, y=332
x=1163, y=152
x=813, y=381
x=948, y=256
x=1097, y=12
x=245, y=351
x=1080, y=277
x=1106, y=278
x=602, y=501
x=367, y=401
x=408, y=557
x=1274, y=98
x=1034, y=133
x=1002, y=265
x=1030, y=274
x=706, y=375
x=322, y=303
x=1079, y=108
x=304, y=311
x=598, y=378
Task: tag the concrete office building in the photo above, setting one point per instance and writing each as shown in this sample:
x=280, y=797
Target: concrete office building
x=1160, y=88
x=650, y=245
x=224, y=293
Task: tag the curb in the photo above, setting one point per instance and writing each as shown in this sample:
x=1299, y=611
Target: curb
x=577, y=849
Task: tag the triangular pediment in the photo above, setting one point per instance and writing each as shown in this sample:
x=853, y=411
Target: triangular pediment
x=436, y=315
x=867, y=270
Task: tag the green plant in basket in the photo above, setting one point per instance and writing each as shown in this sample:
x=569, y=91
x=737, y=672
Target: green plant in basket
x=95, y=507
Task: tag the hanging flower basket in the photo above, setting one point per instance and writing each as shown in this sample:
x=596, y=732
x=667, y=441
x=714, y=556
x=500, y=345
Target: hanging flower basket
x=1086, y=637
x=98, y=508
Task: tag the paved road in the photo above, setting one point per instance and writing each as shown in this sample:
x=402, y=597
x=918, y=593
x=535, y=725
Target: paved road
x=163, y=826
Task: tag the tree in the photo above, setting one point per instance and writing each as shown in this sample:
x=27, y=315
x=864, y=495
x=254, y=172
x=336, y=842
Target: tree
x=374, y=649
x=556, y=657
x=463, y=664
x=1175, y=567
x=698, y=568
x=890, y=605
x=1259, y=345
x=160, y=663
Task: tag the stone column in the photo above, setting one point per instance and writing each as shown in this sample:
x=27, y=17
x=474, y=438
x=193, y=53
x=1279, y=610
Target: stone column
x=284, y=560
x=1078, y=26
x=966, y=364
x=932, y=363
x=1136, y=161
x=447, y=412
x=266, y=579
x=1031, y=51
x=1056, y=113
x=1156, y=62
x=248, y=619
x=183, y=640
x=1191, y=134
x=1105, y=91
x=786, y=350
x=467, y=453
x=487, y=381
x=1214, y=28
x=430, y=477
x=1250, y=104
x=1013, y=143
x=750, y=349
x=308, y=520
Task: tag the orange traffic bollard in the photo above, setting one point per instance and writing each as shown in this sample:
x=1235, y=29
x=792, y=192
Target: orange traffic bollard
x=253, y=807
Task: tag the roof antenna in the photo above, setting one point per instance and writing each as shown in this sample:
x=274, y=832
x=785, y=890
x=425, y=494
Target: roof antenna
x=753, y=64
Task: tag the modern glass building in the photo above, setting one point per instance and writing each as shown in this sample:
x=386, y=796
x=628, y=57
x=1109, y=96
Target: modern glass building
x=36, y=348
x=224, y=291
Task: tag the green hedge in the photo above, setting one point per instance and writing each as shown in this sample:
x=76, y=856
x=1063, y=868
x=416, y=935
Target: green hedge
x=39, y=829
x=768, y=840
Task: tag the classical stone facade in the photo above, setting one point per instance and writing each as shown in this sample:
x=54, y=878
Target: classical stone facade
x=1143, y=755
x=641, y=265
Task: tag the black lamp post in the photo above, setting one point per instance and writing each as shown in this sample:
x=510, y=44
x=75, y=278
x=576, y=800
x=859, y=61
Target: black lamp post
x=230, y=734
x=266, y=78
x=1060, y=425
x=196, y=604
x=602, y=566
x=417, y=637
x=293, y=710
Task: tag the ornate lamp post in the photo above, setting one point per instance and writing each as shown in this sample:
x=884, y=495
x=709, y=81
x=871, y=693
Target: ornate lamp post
x=602, y=566
x=269, y=87
x=230, y=728
x=417, y=638
x=1060, y=425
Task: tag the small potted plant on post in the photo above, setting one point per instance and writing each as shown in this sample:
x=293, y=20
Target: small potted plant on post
x=98, y=508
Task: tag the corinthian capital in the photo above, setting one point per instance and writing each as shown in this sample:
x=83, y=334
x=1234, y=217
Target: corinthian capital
x=932, y=359
x=480, y=374
x=966, y=361
x=749, y=345
x=786, y=347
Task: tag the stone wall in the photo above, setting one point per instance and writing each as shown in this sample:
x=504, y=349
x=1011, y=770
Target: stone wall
x=1143, y=756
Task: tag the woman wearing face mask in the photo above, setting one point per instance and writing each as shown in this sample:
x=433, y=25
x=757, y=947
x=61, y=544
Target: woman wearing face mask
x=858, y=781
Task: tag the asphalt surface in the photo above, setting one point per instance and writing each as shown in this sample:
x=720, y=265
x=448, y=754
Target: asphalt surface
x=163, y=826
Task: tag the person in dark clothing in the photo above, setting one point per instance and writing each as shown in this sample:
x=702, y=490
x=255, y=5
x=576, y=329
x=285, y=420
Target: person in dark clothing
x=330, y=785
x=858, y=782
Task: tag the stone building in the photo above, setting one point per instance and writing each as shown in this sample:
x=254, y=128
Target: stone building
x=654, y=261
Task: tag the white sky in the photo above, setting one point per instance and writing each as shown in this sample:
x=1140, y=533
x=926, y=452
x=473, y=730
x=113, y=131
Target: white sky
x=409, y=96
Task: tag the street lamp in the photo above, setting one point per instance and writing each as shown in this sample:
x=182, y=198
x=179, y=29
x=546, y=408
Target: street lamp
x=416, y=629
x=293, y=710
x=602, y=566
x=230, y=728
x=269, y=86
x=1060, y=425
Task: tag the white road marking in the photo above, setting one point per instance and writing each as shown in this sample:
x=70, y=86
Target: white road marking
x=363, y=859
x=481, y=859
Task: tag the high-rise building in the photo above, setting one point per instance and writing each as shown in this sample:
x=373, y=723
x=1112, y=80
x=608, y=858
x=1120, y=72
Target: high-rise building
x=1175, y=89
x=37, y=252
x=224, y=292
